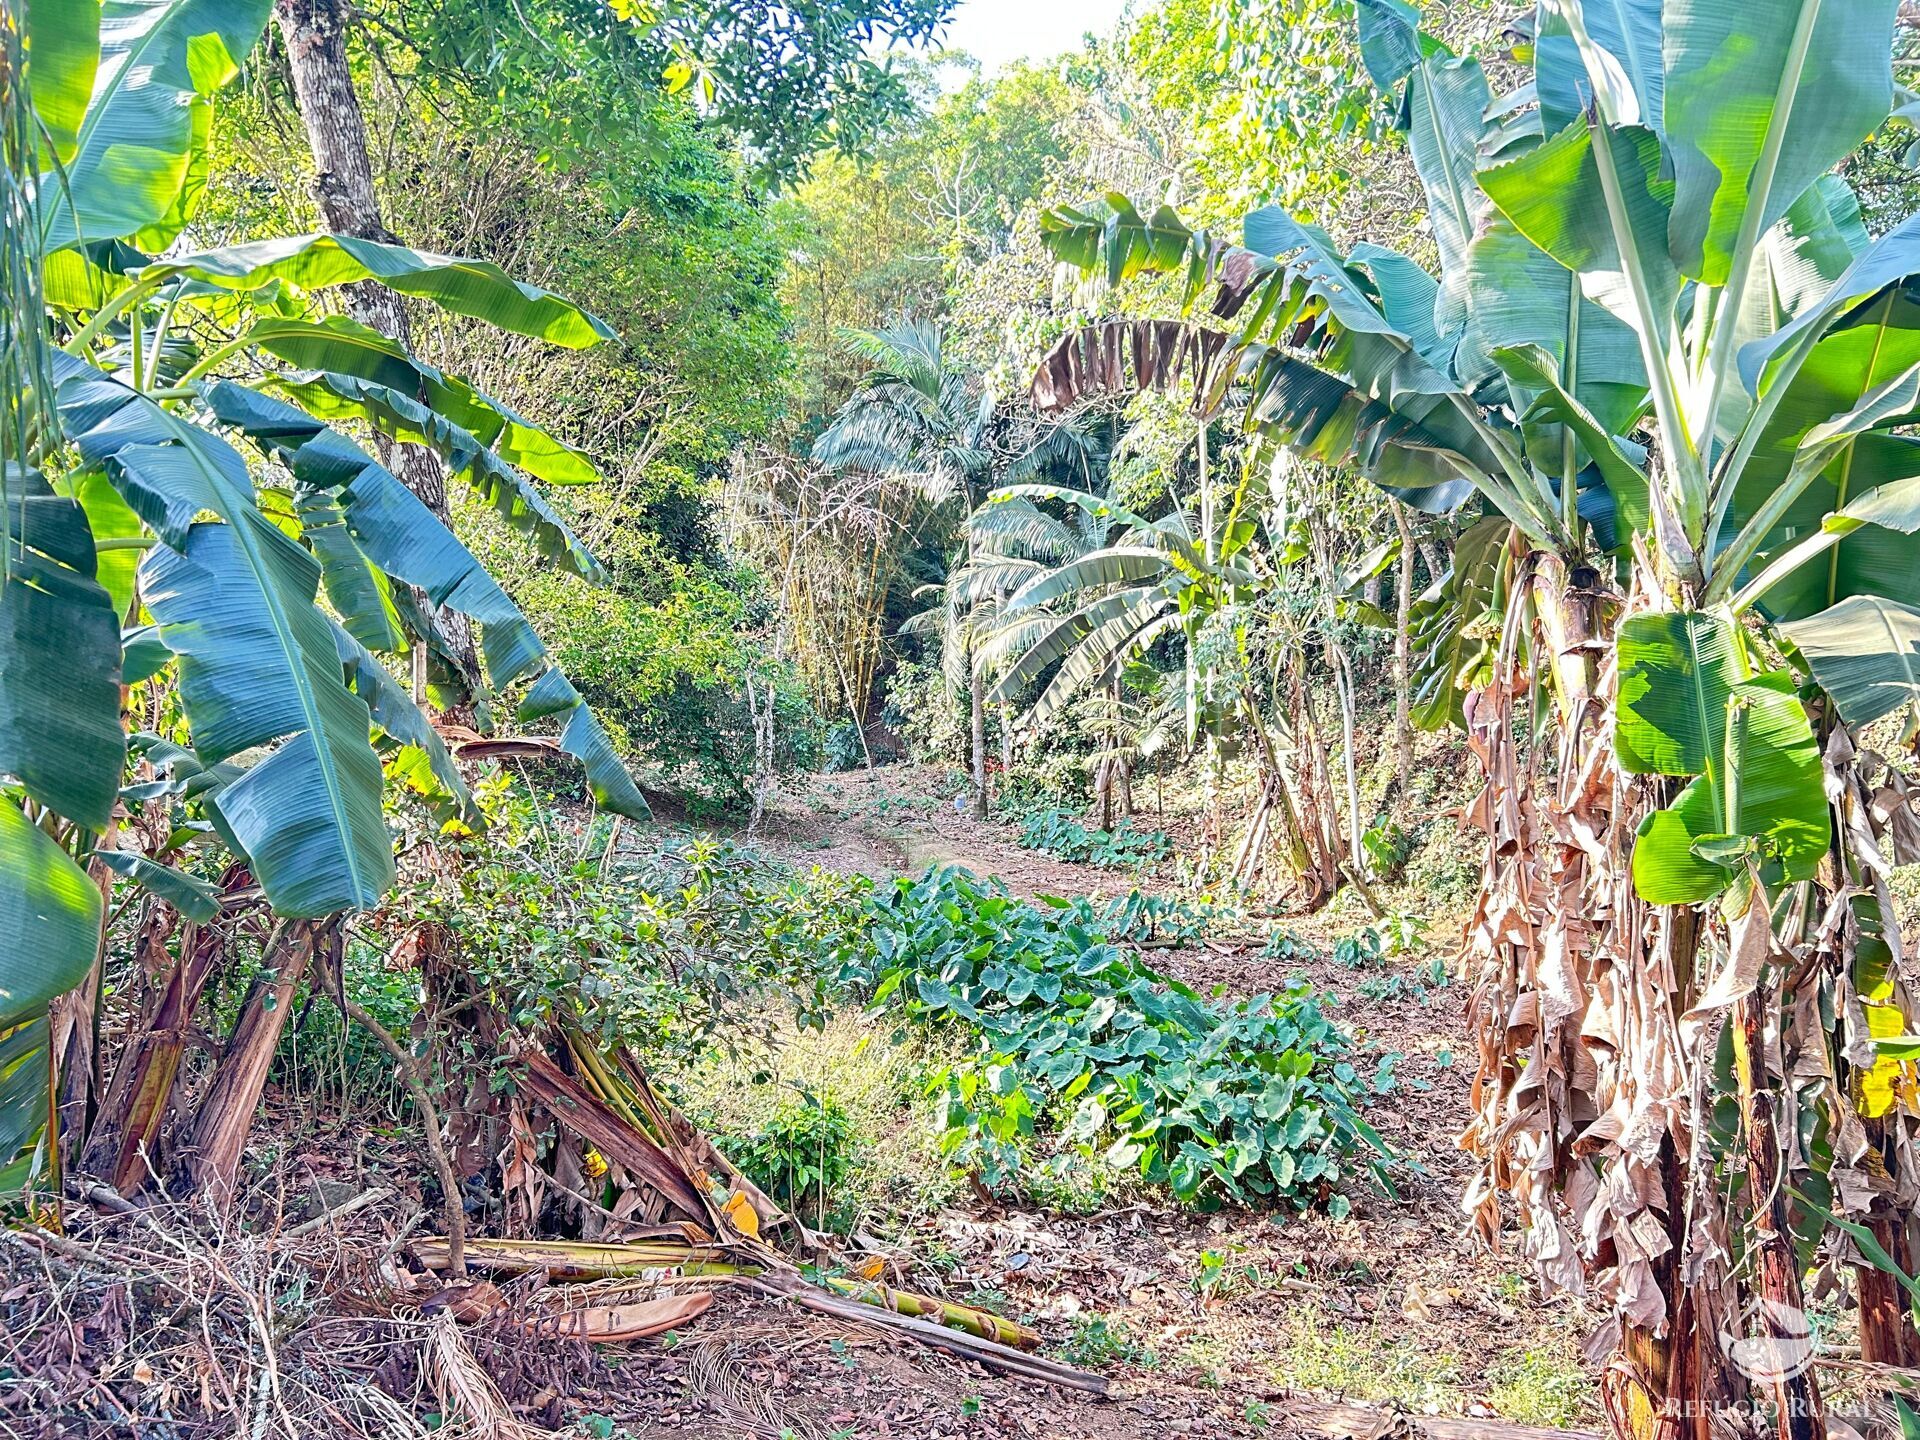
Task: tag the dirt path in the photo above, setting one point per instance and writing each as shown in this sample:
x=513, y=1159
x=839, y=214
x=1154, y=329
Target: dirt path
x=895, y=821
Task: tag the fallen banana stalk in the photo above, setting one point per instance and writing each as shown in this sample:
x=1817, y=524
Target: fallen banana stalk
x=959, y=1329
x=982, y=1323
x=586, y=1260
x=991, y=1353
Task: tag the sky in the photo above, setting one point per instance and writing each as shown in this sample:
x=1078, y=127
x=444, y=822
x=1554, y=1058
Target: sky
x=999, y=31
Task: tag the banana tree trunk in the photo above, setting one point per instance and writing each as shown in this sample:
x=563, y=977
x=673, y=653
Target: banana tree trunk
x=126, y=1137
x=226, y=1111
x=1403, y=653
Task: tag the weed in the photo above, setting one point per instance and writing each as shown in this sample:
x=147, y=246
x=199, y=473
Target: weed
x=1539, y=1387
x=1219, y=1277
x=1364, y=1365
x=1097, y=1342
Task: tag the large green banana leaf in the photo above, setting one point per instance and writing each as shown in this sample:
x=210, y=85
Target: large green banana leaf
x=359, y=590
x=139, y=155
x=1118, y=238
x=60, y=734
x=1050, y=638
x=400, y=535
x=1685, y=708
x=583, y=737
x=479, y=289
x=1865, y=652
x=1554, y=197
x=1762, y=97
x=1676, y=671
x=1690, y=851
x=189, y=894
x=50, y=916
x=388, y=524
x=235, y=602
x=258, y=666
x=400, y=720
x=343, y=345
x=1627, y=34
x=63, y=55
x=509, y=494
x=1771, y=360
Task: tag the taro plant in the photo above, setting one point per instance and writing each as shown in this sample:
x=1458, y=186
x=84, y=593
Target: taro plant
x=191, y=640
x=1080, y=1047
x=1664, y=360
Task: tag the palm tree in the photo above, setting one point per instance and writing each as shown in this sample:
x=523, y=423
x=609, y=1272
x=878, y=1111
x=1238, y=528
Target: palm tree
x=923, y=417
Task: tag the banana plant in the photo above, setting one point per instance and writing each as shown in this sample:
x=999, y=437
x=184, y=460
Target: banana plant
x=261, y=593
x=1664, y=358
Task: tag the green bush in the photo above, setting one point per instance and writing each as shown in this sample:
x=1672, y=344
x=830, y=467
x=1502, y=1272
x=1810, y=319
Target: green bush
x=669, y=951
x=1057, y=832
x=1079, y=1044
x=803, y=1153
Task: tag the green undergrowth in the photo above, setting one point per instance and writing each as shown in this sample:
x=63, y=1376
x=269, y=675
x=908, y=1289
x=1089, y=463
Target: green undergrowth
x=841, y=1102
x=1077, y=1054
x=1060, y=834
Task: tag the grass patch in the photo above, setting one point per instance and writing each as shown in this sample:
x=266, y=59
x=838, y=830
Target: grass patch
x=1541, y=1387
x=1363, y=1364
x=892, y=1166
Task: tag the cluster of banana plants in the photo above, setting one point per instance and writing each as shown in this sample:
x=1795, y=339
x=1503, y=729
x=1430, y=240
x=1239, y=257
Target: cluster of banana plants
x=1667, y=365
x=201, y=573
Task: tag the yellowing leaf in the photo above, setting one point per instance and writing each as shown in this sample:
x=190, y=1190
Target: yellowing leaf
x=745, y=1218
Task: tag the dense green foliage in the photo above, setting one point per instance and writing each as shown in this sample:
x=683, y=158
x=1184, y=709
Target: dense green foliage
x=1083, y=1051
x=1061, y=833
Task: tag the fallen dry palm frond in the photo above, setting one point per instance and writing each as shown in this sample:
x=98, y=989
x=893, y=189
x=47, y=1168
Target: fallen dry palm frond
x=471, y=1405
x=714, y=1374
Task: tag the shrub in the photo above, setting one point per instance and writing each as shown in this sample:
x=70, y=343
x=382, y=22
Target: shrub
x=1079, y=1042
x=668, y=952
x=802, y=1154
x=1057, y=832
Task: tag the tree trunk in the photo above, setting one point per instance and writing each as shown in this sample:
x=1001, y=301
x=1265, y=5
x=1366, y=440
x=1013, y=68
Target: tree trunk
x=1403, y=654
x=315, y=32
x=977, y=729
x=227, y=1110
